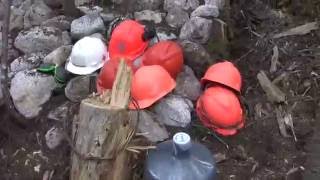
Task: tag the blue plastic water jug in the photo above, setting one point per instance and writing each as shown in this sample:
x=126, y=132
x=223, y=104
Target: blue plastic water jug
x=180, y=159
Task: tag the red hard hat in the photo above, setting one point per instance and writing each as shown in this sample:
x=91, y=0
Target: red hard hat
x=127, y=41
x=107, y=75
x=149, y=84
x=223, y=73
x=167, y=54
x=219, y=109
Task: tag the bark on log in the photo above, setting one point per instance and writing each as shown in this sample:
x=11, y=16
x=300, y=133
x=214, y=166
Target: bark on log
x=103, y=132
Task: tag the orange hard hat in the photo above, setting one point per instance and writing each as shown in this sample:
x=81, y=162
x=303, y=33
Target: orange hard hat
x=127, y=40
x=220, y=109
x=107, y=75
x=149, y=84
x=167, y=54
x=205, y=121
x=223, y=73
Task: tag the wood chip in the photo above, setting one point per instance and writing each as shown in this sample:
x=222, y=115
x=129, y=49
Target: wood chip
x=37, y=168
x=48, y=175
x=273, y=92
x=258, y=110
x=281, y=122
x=289, y=122
x=3, y=156
x=220, y=157
x=300, y=30
x=254, y=167
x=274, y=59
x=285, y=121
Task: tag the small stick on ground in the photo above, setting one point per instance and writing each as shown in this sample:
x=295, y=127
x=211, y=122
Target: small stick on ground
x=273, y=92
x=274, y=59
x=220, y=140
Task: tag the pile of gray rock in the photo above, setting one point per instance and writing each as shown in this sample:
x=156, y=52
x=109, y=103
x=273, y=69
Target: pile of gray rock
x=46, y=37
x=43, y=37
x=40, y=33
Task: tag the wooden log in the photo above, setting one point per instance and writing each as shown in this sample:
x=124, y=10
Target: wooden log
x=102, y=133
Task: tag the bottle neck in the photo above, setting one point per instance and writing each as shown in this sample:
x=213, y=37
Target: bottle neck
x=181, y=144
x=178, y=152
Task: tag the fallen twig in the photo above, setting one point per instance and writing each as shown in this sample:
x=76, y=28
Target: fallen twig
x=294, y=170
x=273, y=92
x=284, y=119
x=274, y=59
x=281, y=123
x=48, y=175
x=138, y=149
x=300, y=30
x=254, y=167
x=244, y=55
x=289, y=122
x=220, y=140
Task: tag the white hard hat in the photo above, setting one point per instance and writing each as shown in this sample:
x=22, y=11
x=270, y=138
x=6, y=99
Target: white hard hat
x=87, y=56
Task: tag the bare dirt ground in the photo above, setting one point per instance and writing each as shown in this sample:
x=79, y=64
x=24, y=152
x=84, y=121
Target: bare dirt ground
x=259, y=151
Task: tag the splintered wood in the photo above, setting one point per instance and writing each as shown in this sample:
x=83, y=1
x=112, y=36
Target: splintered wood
x=103, y=131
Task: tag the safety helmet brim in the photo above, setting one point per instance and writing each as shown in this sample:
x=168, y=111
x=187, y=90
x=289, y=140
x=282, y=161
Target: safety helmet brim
x=83, y=70
x=145, y=103
x=142, y=104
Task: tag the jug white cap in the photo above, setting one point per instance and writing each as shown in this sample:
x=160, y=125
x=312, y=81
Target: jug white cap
x=182, y=141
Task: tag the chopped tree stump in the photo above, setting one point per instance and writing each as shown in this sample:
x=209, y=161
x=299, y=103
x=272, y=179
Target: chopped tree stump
x=102, y=133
